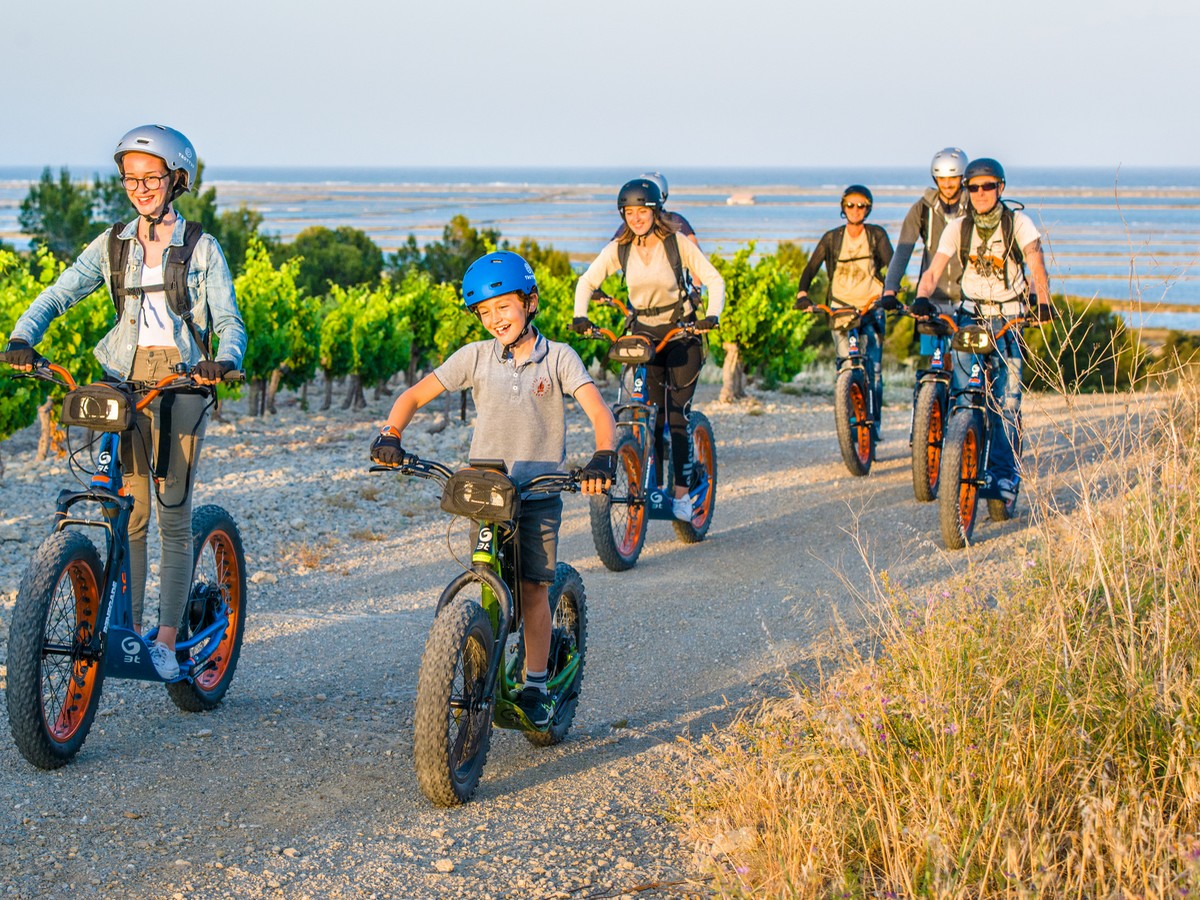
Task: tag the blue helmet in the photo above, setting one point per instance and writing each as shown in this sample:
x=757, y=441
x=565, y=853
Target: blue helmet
x=501, y=272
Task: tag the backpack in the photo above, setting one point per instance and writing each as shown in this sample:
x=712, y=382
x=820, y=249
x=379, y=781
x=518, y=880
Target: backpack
x=1006, y=239
x=174, y=284
x=671, y=245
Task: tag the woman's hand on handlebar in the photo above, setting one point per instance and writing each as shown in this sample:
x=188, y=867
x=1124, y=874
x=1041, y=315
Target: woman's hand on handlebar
x=21, y=356
x=803, y=303
x=211, y=371
x=582, y=325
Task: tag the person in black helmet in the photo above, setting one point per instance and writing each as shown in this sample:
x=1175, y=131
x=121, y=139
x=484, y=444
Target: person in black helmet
x=659, y=294
x=993, y=244
x=674, y=219
x=856, y=256
x=147, y=341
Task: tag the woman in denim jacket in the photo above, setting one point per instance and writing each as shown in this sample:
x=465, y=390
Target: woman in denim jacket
x=147, y=341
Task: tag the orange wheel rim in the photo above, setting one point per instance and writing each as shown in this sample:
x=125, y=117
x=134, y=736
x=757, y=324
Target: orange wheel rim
x=632, y=518
x=933, y=445
x=229, y=579
x=702, y=447
x=67, y=688
x=859, y=404
x=969, y=474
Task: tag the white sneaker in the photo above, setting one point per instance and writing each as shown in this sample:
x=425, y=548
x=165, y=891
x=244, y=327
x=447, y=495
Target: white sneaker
x=682, y=508
x=164, y=661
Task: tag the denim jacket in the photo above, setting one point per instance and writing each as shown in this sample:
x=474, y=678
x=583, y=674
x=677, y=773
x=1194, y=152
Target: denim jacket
x=209, y=285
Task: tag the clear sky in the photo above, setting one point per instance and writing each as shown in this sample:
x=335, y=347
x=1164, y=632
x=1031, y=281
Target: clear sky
x=563, y=83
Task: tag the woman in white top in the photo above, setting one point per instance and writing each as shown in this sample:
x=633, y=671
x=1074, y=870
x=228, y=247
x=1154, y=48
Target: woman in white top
x=658, y=296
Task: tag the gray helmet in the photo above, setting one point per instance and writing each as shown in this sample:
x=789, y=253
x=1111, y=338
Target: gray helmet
x=659, y=179
x=168, y=145
x=984, y=166
x=948, y=163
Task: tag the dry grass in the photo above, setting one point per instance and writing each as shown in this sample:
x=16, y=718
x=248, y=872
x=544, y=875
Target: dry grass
x=1036, y=738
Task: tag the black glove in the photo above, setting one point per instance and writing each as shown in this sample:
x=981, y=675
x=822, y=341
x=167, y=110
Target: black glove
x=1045, y=312
x=581, y=324
x=603, y=464
x=922, y=307
x=386, y=448
x=19, y=353
x=803, y=304
x=708, y=323
x=211, y=369
x=889, y=302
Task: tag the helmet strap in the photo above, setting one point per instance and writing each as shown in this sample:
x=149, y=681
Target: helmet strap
x=508, y=348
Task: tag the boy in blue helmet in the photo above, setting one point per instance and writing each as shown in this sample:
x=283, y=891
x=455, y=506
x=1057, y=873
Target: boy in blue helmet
x=519, y=381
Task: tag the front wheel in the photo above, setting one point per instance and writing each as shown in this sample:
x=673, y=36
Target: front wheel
x=452, y=725
x=568, y=648
x=704, y=466
x=619, y=517
x=218, y=593
x=53, y=683
x=929, y=430
x=852, y=413
x=958, y=497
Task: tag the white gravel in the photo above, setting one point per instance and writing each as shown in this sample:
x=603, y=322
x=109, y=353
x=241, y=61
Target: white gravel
x=301, y=784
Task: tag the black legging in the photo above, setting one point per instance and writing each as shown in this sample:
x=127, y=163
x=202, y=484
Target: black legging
x=670, y=383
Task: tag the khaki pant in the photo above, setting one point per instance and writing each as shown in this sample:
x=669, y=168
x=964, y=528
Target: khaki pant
x=139, y=449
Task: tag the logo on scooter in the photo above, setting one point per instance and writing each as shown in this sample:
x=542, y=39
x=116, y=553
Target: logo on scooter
x=656, y=498
x=484, y=543
x=132, y=648
x=976, y=375
x=937, y=357
x=853, y=343
x=103, y=459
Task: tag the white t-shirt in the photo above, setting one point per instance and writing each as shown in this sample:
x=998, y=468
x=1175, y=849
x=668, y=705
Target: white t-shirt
x=983, y=280
x=155, y=326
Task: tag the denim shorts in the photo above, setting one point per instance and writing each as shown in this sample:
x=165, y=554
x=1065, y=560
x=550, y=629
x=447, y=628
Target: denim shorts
x=538, y=526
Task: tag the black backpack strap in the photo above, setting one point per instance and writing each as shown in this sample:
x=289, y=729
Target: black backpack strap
x=175, y=271
x=623, y=257
x=964, y=241
x=118, y=258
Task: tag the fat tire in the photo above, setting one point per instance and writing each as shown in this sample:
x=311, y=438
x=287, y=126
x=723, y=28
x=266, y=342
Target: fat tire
x=619, y=531
x=856, y=442
x=460, y=641
x=213, y=528
x=704, y=455
x=568, y=615
x=929, y=434
x=50, y=737
x=958, y=500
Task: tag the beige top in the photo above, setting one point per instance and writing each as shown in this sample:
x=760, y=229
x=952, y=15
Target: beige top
x=651, y=279
x=854, y=279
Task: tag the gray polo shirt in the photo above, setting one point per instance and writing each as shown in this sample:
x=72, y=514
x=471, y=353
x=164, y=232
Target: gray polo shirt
x=521, y=408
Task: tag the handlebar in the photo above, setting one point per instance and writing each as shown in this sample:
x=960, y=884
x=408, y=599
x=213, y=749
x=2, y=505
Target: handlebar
x=547, y=483
x=604, y=299
x=45, y=370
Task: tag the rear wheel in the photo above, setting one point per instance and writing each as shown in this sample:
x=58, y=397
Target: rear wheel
x=53, y=686
x=958, y=495
x=704, y=466
x=851, y=413
x=218, y=592
x=452, y=726
x=619, y=517
x=568, y=646
x=929, y=431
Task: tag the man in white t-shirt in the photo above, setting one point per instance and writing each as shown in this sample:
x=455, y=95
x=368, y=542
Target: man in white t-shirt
x=994, y=244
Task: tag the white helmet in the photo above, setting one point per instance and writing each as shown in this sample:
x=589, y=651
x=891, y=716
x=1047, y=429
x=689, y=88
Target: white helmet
x=948, y=163
x=657, y=178
x=168, y=145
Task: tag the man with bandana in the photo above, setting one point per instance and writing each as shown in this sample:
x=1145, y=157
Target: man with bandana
x=994, y=244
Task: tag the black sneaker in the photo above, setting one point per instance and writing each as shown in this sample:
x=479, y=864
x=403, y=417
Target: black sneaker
x=537, y=706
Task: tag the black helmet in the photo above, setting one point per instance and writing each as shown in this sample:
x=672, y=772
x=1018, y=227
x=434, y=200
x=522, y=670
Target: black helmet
x=863, y=191
x=639, y=192
x=984, y=166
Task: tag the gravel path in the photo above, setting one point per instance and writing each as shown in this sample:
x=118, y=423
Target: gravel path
x=301, y=783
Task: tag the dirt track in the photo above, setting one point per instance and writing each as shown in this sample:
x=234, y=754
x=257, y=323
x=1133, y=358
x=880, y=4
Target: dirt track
x=301, y=783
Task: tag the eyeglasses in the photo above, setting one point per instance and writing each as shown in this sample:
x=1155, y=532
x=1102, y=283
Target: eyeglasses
x=986, y=186
x=855, y=205
x=150, y=182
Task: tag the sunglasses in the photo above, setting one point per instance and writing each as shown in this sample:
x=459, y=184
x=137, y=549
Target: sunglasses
x=986, y=186
x=856, y=205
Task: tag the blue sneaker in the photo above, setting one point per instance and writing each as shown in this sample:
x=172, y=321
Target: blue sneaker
x=537, y=706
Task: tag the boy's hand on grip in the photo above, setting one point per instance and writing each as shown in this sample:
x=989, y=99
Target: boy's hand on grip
x=386, y=448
